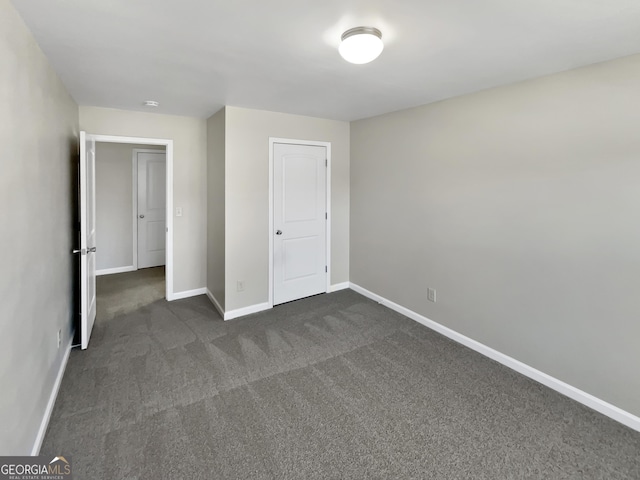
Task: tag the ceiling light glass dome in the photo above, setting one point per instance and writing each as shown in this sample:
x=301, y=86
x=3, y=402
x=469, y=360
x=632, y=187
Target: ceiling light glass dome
x=361, y=45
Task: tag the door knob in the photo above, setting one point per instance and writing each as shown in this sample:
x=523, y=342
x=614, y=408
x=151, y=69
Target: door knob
x=141, y=216
x=279, y=232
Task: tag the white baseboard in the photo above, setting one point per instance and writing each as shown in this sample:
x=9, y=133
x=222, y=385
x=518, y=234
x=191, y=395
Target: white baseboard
x=111, y=271
x=215, y=302
x=37, y=444
x=574, y=393
x=188, y=293
x=241, y=312
x=260, y=307
x=338, y=286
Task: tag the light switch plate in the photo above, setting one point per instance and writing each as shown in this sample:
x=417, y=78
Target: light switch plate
x=431, y=295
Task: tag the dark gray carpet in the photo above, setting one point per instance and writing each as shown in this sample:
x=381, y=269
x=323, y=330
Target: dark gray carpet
x=123, y=293
x=334, y=386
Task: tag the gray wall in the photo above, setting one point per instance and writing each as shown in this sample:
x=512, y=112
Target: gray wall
x=215, y=205
x=189, y=137
x=114, y=204
x=38, y=130
x=520, y=206
x=247, y=196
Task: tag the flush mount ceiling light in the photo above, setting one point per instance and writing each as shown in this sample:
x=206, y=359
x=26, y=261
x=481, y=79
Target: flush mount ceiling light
x=361, y=45
x=151, y=103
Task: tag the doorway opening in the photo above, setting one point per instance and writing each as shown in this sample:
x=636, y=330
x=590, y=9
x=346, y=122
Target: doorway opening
x=130, y=226
x=123, y=175
x=134, y=205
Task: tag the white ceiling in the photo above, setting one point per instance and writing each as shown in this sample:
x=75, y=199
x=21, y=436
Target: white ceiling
x=194, y=56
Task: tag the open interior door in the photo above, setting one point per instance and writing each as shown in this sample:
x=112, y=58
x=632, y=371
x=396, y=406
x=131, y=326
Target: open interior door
x=87, y=237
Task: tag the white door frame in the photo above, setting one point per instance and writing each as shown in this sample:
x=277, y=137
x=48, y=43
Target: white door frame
x=272, y=142
x=168, y=144
x=134, y=166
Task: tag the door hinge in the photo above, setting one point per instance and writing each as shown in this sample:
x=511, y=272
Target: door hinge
x=326, y=269
x=326, y=162
x=326, y=216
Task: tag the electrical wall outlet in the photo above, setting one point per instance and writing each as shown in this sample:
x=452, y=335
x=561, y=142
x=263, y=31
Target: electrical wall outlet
x=59, y=338
x=431, y=295
x=240, y=285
